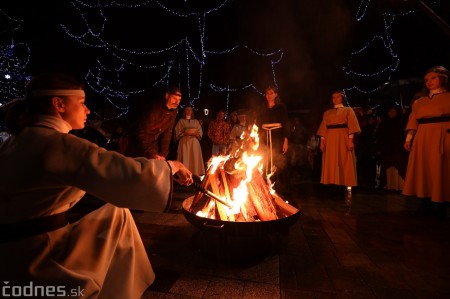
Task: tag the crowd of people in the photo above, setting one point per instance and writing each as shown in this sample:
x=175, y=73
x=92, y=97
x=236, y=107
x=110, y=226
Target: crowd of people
x=349, y=147
x=46, y=171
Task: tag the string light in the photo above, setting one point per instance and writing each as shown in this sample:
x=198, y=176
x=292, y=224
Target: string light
x=185, y=59
x=183, y=63
x=363, y=4
x=14, y=58
x=11, y=25
x=384, y=73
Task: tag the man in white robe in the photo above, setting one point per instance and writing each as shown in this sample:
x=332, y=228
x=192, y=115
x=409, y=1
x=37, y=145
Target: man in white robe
x=44, y=172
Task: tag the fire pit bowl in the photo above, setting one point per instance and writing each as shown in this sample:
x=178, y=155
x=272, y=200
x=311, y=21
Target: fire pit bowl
x=238, y=242
x=236, y=228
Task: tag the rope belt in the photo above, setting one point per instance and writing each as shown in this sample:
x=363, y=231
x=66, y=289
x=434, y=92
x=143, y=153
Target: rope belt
x=14, y=231
x=340, y=126
x=430, y=120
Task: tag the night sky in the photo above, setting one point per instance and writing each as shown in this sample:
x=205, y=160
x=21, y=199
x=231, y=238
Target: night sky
x=316, y=38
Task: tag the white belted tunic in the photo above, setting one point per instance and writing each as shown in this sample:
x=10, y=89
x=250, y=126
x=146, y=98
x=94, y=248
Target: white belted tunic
x=45, y=171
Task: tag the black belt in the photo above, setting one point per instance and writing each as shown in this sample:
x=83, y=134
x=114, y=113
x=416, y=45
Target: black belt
x=430, y=120
x=337, y=126
x=27, y=228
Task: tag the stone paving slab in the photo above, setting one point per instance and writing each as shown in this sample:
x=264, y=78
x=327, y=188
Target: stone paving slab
x=369, y=245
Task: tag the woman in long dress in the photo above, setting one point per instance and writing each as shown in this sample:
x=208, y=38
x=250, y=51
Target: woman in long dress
x=336, y=131
x=188, y=133
x=45, y=172
x=273, y=125
x=428, y=140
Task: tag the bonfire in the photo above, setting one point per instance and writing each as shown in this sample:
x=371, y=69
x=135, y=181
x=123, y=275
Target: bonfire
x=235, y=189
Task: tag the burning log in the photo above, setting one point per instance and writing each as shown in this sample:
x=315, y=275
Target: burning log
x=284, y=208
x=261, y=198
x=257, y=204
x=199, y=195
x=202, y=202
x=234, y=190
x=215, y=188
x=226, y=191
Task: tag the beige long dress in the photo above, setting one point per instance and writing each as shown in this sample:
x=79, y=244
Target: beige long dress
x=428, y=172
x=46, y=171
x=189, y=150
x=338, y=163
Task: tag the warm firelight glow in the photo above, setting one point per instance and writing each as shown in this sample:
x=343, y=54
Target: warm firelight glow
x=238, y=190
x=210, y=206
x=247, y=163
x=216, y=161
x=240, y=195
x=255, y=137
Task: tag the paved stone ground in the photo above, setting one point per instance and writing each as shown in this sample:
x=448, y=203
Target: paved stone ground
x=368, y=245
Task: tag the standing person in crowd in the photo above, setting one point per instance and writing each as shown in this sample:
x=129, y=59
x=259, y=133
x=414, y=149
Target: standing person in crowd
x=237, y=130
x=428, y=140
x=273, y=119
x=150, y=136
x=337, y=129
x=219, y=133
x=205, y=142
x=393, y=157
x=233, y=119
x=46, y=171
x=188, y=132
x=367, y=147
x=314, y=156
x=298, y=153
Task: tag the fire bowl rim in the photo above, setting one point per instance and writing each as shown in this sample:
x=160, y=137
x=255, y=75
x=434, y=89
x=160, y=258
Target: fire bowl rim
x=276, y=225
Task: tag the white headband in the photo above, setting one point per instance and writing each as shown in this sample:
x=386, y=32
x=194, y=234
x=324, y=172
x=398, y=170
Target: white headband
x=57, y=92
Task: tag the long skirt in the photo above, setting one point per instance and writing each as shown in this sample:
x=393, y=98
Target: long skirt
x=99, y=256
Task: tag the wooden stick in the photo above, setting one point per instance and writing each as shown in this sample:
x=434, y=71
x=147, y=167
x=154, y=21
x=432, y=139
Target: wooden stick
x=261, y=192
x=245, y=214
x=284, y=207
x=198, y=195
x=201, y=203
x=220, y=206
x=258, y=180
x=264, y=212
x=226, y=191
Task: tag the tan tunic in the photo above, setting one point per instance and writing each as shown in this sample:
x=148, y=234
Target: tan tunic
x=189, y=150
x=338, y=163
x=46, y=171
x=428, y=172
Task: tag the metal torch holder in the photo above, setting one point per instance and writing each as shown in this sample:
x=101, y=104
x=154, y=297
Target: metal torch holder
x=269, y=128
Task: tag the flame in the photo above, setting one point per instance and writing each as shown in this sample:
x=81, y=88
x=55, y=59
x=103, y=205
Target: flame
x=246, y=163
x=239, y=192
x=216, y=161
x=255, y=137
x=240, y=195
x=209, y=207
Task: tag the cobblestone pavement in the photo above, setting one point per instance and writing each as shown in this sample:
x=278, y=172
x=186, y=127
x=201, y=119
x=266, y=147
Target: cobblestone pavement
x=370, y=244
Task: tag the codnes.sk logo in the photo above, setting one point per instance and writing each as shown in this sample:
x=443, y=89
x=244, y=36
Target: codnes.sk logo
x=32, y=290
